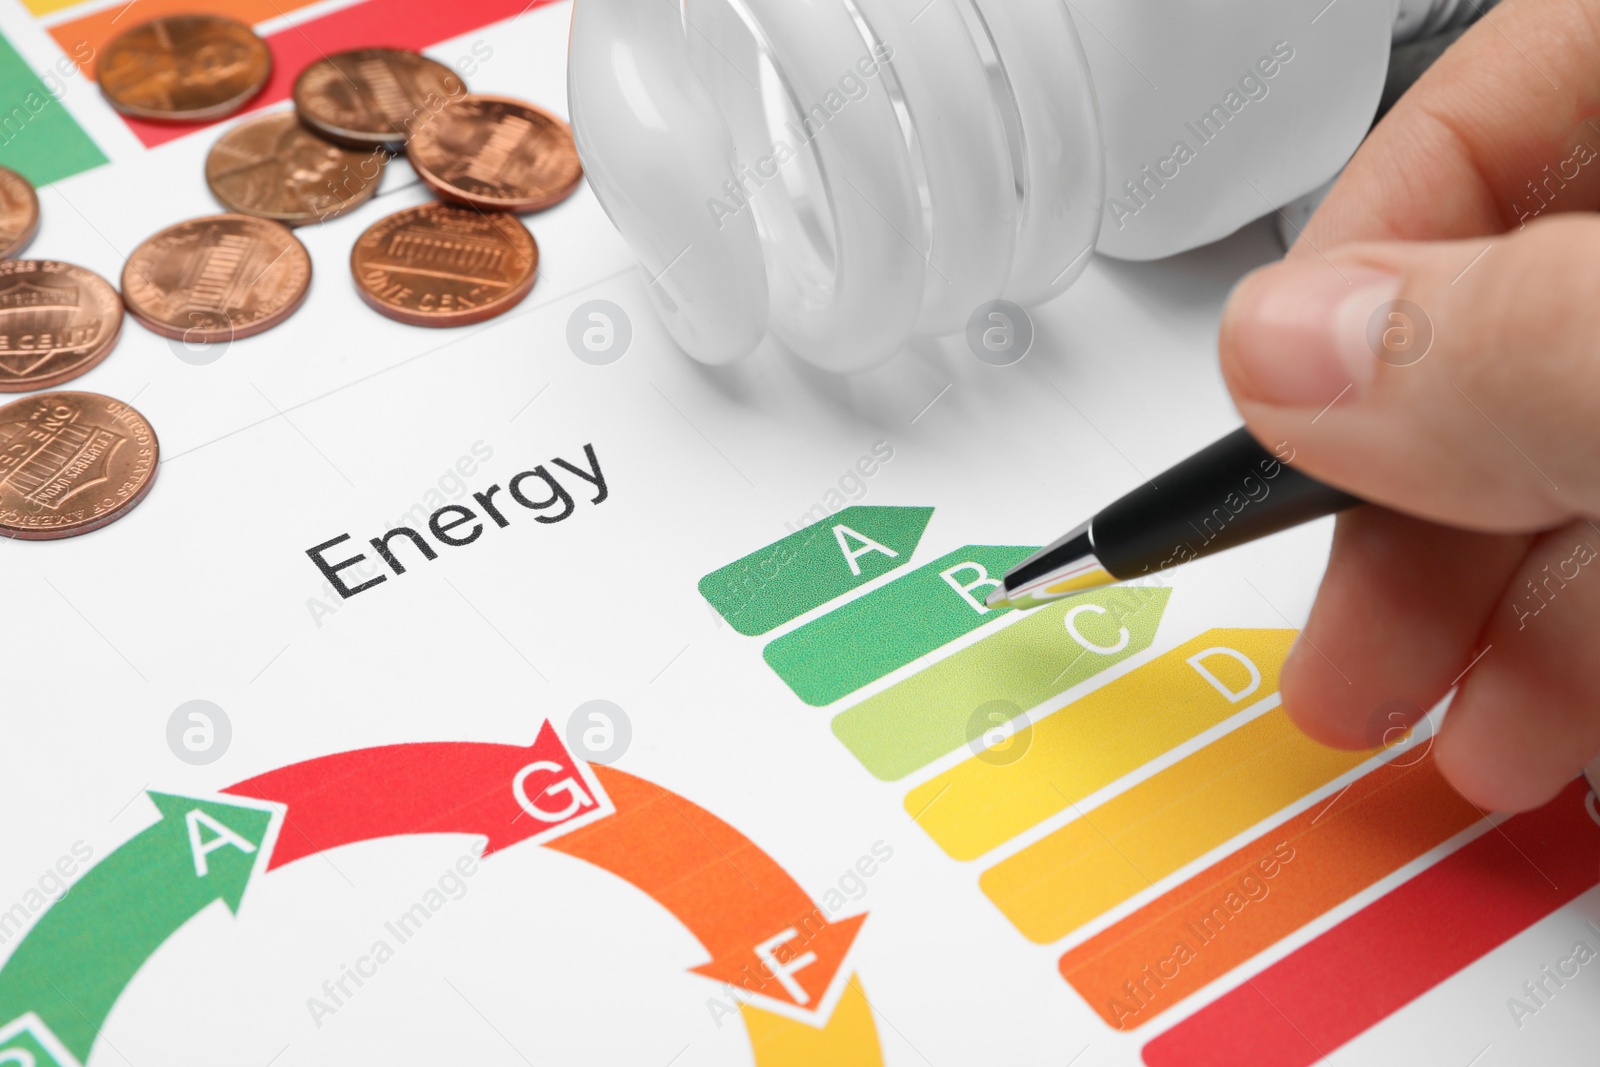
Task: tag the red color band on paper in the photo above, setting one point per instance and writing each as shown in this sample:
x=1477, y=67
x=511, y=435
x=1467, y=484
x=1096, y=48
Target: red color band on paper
x=1398, y=947
x=413, y=24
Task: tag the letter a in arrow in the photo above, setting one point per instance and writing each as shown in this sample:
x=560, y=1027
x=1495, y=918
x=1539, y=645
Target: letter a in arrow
x=28, y=1042
x=224, y=838
x=73, y=964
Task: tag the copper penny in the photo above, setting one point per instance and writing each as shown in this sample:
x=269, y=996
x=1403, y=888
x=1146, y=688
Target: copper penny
x=373, y=96
x=56, y=322
x=184, y=68
x=19, y=212
x=273, y=167
x=216, y=278
x=497, y=154
x=70, y=463
x=440, y=265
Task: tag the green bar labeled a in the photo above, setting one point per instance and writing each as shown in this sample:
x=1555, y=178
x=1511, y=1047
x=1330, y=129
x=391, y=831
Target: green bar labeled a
x=864, y=639
x=955, y=701
x=813, y=565
x=38, y=138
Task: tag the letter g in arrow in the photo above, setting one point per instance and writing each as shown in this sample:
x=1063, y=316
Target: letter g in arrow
x=578, y=797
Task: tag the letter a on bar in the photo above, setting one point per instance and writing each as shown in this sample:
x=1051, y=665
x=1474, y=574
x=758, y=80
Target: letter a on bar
x=814, y=565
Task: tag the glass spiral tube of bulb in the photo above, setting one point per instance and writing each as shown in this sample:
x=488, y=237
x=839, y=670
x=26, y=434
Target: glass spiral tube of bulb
x=843, y=175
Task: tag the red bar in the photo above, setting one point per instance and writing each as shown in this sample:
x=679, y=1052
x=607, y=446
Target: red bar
x=413, y=24
x=1398, y=947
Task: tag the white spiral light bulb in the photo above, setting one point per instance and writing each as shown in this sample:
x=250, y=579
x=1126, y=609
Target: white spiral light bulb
x=845, y=174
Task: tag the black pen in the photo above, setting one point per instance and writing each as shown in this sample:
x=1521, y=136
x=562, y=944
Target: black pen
x=1227, y=494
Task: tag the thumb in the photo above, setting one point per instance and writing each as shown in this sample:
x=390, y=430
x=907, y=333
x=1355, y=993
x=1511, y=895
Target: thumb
x=1456, y=381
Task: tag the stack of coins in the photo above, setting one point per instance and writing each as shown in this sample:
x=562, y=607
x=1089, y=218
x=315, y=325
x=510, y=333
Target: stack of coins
x=72, y=462
x=458, y=260
x=464, y=258
x=215, y=279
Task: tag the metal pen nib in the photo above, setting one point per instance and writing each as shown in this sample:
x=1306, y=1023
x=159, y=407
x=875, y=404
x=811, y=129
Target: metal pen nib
x=1069, y=566
x=998, y=597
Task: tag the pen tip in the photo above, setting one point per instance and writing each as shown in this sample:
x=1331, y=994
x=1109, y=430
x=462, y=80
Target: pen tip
x=997, y=598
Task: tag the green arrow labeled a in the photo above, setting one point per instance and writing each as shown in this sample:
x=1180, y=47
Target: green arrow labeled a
x=813, y=565
x=27, y=1042
x=82, y=953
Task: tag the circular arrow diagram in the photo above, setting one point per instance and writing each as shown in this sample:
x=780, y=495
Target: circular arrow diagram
x=762, y=931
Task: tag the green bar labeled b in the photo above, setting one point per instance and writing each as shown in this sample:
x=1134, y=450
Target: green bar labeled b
x=813, y=565
x=867, y=638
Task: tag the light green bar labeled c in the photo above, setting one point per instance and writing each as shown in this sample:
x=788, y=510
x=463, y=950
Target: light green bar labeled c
x=938, y=710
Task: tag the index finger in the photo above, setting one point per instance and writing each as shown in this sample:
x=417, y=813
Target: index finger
x=1504, y=127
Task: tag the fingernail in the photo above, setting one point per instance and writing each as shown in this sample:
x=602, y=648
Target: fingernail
x=1295, y=334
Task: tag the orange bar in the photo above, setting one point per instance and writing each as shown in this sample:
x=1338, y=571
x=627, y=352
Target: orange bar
x=1175, y=945
x=83, y=39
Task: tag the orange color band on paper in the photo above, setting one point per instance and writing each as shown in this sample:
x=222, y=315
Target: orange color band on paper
x=1097, y=861
x=1176, y=944
x=97, y=29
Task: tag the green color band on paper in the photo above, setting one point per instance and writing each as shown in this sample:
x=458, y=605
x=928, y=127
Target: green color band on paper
x=867, y=638
x=39, y=139
x=813, y=565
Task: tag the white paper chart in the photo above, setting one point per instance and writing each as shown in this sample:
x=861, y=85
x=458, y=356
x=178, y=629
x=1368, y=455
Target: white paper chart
x=693, y=743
